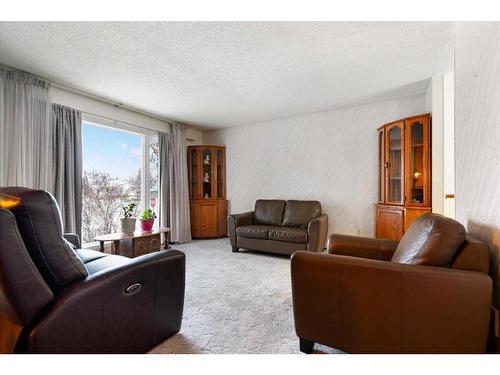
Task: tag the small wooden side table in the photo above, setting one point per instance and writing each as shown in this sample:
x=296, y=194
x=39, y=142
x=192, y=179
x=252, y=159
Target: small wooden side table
x=137, y=243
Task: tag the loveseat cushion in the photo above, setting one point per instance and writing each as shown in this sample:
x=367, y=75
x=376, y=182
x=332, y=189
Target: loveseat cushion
x=39, y=222
x=269, y=212
x=254, y=231
x=431, y=240
x=297, y=235
x=299, y=213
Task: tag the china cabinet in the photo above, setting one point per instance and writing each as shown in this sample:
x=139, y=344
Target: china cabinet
x=404, y=178
x=207, y=191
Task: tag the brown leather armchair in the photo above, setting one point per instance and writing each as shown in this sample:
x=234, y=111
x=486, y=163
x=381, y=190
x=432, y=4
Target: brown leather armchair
x=428, y=293
x=58, y=299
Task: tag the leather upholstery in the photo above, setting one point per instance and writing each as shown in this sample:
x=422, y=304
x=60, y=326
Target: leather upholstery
x=300, y=213
x=431, y=240
x=23, y=291
x=308, y=227
x=361, y=247
x=39, y=222
x=298, y=235
x=355, y=299
x=269, y=212
x=96, y=314
x=254, y=231
x=367, y=306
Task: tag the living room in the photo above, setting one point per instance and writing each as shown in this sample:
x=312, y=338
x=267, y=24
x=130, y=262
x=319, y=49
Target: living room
x=249, y=187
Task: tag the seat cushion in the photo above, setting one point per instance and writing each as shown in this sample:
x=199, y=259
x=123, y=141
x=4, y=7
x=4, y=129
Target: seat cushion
x=106, y=262
x=297, y=235
x=431, y=240
x=39, y=222
x=299, y=213
x=87, y=255
x=254, y=231
x=269, y=212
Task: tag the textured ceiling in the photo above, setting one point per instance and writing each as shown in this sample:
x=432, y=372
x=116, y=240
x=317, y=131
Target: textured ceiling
x=218, y=74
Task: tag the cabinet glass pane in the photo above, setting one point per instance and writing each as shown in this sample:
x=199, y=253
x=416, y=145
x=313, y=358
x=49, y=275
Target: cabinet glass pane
x=417, y=162
x=207, y=174
x=394, y=166
x=194, y=174
x=381, y=166
x=220, y=174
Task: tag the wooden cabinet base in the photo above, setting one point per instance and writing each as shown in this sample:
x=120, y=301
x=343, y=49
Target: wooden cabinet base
x=209, y=218
x=392, y=221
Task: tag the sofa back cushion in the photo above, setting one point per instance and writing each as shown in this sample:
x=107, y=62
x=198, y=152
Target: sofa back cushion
x=269, y=212
x=39, y=222
x=431, y=240
x=299, y=213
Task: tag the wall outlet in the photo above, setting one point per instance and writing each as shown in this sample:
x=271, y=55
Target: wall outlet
x=358, y=231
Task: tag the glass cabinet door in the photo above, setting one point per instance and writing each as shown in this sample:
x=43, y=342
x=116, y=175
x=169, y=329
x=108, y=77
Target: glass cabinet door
x=207, y=174
x=220, y=174
x=381, y=167
x=394, y=164
x=194, y=171
x=417, y=179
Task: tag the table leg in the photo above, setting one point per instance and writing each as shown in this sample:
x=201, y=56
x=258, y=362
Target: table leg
x=101, y=246
x=116, y=245
x=166, y=245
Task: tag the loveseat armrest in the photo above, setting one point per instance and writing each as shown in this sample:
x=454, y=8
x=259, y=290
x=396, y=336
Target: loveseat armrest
x=73, y=239
x=368, y=306
x=316, y=233
x=237, y=220
x=128, y=308
x=361, y=247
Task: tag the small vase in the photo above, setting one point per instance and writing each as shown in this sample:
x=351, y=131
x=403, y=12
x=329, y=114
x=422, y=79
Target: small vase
x=127, y=225
x=147, y=225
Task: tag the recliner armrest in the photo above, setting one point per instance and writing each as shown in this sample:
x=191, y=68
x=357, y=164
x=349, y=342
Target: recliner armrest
x=316, y=233
x=361, y=247
x=104, y=311
x=73, y=239
x=368, y=306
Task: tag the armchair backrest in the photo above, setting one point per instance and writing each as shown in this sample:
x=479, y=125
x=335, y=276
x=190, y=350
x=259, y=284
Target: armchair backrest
x=23, y=291
x=39, y=221
x=431, y=240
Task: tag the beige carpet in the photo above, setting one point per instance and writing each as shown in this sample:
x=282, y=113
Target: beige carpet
x=235, y=302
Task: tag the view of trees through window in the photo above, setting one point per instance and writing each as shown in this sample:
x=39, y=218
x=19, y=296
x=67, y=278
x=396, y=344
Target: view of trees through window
x=113, y=176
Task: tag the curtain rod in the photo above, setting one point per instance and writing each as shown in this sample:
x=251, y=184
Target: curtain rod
x=95, y=97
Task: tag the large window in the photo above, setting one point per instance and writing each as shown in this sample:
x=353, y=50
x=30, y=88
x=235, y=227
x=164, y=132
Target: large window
x=120, y=166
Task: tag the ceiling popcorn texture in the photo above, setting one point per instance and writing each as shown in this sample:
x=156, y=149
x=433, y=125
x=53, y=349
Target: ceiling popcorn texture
x=220, y=74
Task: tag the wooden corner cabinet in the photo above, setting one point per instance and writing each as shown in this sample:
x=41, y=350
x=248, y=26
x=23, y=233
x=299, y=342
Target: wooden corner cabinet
x=207, y=191
x=404, y=179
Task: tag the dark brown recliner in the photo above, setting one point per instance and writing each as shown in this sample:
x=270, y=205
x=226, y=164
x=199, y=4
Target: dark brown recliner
x=278, y=226
x=55, y=299
x=429, y=293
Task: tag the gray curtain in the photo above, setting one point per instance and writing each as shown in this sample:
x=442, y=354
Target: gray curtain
x=25, y=131
x=174, y=193
x=67, y=151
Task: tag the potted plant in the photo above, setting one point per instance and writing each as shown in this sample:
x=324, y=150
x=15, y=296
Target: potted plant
x=127, y=221
x=147, y=220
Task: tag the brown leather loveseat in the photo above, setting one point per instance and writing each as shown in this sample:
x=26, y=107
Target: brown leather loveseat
x=428, y=293
x=58, y=299
x=279, y=226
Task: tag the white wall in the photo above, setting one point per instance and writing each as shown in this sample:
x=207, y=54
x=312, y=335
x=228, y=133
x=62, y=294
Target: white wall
x=329, y=156
x=477, y=132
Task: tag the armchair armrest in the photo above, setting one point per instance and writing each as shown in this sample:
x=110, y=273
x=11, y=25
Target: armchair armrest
x=237, y=220
x=316, y=233
x=361, y=247
x=368, y=306
x=73, y=239
x=105, y=313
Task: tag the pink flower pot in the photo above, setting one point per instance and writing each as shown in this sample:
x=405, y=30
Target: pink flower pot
x=147, y=225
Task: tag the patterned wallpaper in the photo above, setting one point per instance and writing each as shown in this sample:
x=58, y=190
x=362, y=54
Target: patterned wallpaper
x=477, y=132
x=327, y=156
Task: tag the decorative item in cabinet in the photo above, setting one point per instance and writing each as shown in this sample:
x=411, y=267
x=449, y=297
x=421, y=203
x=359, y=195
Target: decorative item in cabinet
x=207, y=191
x=404, y=175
